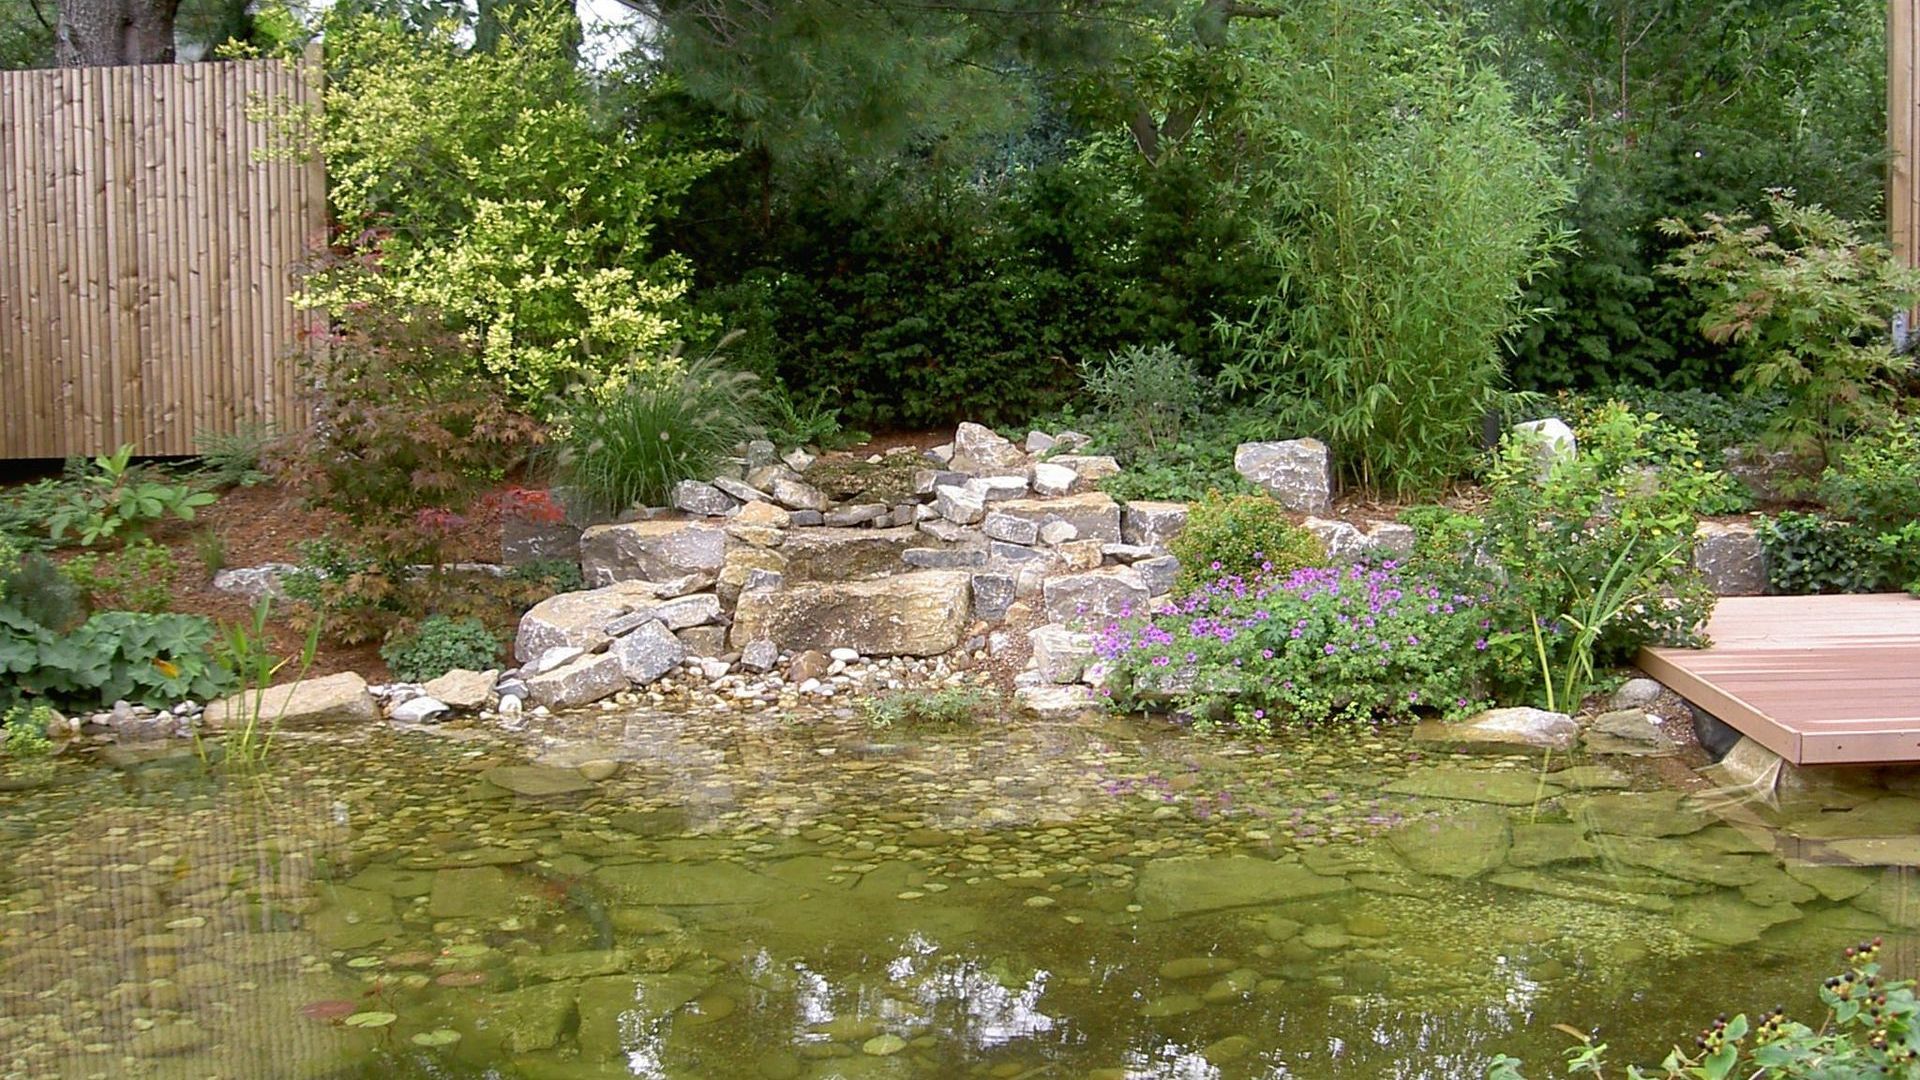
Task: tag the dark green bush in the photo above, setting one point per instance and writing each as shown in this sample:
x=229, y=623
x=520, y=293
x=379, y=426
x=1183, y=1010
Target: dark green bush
x=440, y=645
x=1145, y=395
x=146, y=659
x=1810, y=553
x=1239, y=534
x=1876, y=479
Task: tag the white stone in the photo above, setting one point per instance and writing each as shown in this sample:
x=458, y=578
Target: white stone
x=980, y=450
x=1060, y=655
x=959, y=505
x=418, y=710
x=1552, y=442
x=1051, y=479
x=555, y=657
x=844, y=655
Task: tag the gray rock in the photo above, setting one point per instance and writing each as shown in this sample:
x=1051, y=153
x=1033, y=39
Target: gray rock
x=947, y=531
x=798, y=495
x=741, y=490
x=1011, y=528
x=980, y=450
x=809, y=665
x=1060, y=655
x=694, y=497
x=860, y=514
x=1637, y=693
x=523, y=540
x=707, y=641
x=254, y=582
x=1730, y=558
x=1055, y=533
x=330, y=701
x=648, y=653
x=1298, y=473
x=631, y=621
x=760, y=453
x=922, y=613
x=764, y=476
x=926, y=481
x=959, y=505
x=1070, y=441
x=1503, y=731
x=993, y=489
x=759, y=656
x=1464, y=844
x=942, y=454
x=1055, y=702
x=1052, y=479
x=944, y=558
x=582, y=682
x=798, y=460
x=1038, y=442
x=806, y=519
x=1767, y=474
x=1095, y=597
x=1390, y=539
x=1153, y=524
x=993, y=594
x=557, y=656
x=1093, y=515
x=1344, y=543
x=1159, y=573
x=758, y=578
x=1550, y=441
x=463, y=689
x=1088, y=469
x=419, y=710
x=657, y=551
x=1630, y=724
x=844, y=554
x=702, y=609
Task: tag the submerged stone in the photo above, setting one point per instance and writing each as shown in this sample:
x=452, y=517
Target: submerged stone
x=1193, y=967
x=1173, y=888
x=618, y=1012
x=471, y=893
x=1465, y=844
x=1535, y=881
x=1546, y=844
x=1651, y=813
x=1503, y=788
x=1502, y=731
x=519, y=1021
x=537, y=781
x=1725, y=919
x=687, y=884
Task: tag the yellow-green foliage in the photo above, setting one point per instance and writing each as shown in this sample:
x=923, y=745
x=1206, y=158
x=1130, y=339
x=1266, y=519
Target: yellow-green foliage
x=481, y=185
x=1239, y=534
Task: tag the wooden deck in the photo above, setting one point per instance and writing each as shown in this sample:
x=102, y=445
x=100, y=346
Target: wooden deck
x=1819, y=680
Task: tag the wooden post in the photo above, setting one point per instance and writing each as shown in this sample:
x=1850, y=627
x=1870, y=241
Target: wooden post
x=1903, y=127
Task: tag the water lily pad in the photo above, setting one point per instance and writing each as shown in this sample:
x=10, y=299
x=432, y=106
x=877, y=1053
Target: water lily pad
x=370, y=1019
x=437, y=1037
x=364, y=962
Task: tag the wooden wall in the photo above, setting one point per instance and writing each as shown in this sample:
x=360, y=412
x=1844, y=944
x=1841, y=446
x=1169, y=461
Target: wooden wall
x=147, y=254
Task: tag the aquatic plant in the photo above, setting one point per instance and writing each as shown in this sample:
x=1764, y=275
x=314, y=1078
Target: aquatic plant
x=246, y=650
x=1869, y=1031
x=944, y=707
x=1299, y=646
x=25, y=729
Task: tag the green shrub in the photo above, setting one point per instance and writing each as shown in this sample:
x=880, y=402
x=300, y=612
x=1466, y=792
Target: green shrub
x=1608, y=530
x=1870, y=1031
x=946, y=706
x=1806, y=300
x=25, y=729
x=113, y=499
x=482, y=185
x=627, y=446
x=233, y=458
x=1403, y=197
x=1809, y=553
x=1238, y=534
x=145, y=659
x=551, y=575
x=1147, y=394
x=356, y=594
x=1876, y=479
x=1270, y=647
x=138, y=577
x=1442, y=534
x=440, y=645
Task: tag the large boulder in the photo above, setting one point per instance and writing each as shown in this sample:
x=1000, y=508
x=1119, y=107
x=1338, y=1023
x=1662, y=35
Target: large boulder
x=329, y=701
x=925, y=613
x=1096, y=597
x=1094, y=515
x=1730, y=558
x=1298, y=473
x=578, y=619
x=1060, y=655
x=581, y=681
x=648, y=653
x=846, y=554
x=980, y=451
x=657, y=551
x=1550, y=441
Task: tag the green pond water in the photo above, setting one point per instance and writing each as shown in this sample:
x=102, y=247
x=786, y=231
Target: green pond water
x=753, y=896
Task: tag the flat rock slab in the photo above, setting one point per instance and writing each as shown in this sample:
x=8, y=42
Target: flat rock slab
x=1175, y=888
x=1465, y=844
x=1502, y=788
x=1652, y=813
x=537, y=781
x=330, y=701
x=925, y=613
x=688, y=884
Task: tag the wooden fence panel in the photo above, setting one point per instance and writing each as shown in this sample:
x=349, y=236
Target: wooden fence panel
x=148, y=254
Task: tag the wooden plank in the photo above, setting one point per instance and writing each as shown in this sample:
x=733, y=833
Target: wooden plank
x=1815, y=679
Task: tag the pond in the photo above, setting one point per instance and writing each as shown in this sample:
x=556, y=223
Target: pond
x=800, y=896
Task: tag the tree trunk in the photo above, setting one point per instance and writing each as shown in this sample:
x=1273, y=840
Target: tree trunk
x=110, y=32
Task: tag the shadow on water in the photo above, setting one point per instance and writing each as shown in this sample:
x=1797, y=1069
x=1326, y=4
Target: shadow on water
x=766, y=898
